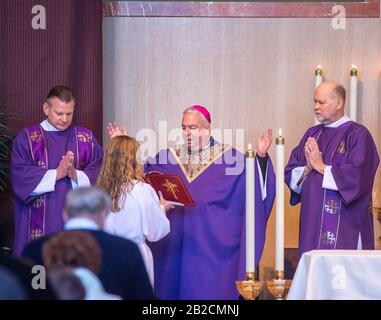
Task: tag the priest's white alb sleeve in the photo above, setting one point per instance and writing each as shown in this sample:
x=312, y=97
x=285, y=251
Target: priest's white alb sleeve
x=262, y=182
x=83, y=180
x=328, y=179
x=46, y=184
x=295, y=177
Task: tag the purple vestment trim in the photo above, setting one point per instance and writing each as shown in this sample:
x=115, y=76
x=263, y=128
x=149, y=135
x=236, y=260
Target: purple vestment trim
x=38, y=206
x=331, y=209
x=330, y=220
x=84, y=145
x=84, y=148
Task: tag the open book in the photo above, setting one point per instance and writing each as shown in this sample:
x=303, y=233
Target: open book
x=171, y=186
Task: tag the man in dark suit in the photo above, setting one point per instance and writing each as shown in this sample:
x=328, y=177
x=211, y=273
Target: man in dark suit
x=24, y=275
x=122, y=270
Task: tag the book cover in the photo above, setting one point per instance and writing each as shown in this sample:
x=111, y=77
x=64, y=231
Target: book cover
x=171, y=186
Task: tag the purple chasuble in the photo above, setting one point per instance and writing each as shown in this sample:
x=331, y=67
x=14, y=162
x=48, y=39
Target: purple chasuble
x=204, y=253
x=27, y=171
x=334, y=219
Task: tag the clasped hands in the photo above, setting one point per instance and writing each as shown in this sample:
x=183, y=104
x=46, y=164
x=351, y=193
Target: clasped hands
x=66, y=167
x=313, y=157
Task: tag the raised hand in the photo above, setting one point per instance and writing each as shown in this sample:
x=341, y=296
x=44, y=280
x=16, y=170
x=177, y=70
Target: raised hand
x=167, y=205
x=264, y=142
x=114, y=130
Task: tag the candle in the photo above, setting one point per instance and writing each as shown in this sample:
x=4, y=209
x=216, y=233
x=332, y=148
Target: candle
x=279, y=223
x=353, y=94
x=318, y=76
x=250, y=203
x=318, y=81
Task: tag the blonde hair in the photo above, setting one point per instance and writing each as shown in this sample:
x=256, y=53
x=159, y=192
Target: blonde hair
x=120, y=167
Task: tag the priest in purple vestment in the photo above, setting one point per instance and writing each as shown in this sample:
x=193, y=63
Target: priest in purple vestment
x=48, y=160
x=331, y=172
x=204, y=253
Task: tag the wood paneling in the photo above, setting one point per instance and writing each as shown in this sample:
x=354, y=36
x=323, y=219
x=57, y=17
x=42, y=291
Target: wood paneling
x=68, y=52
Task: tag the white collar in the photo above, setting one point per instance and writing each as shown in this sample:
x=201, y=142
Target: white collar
x=47, y=126
x=81, y=223
x=208, y=144
x=338, y=123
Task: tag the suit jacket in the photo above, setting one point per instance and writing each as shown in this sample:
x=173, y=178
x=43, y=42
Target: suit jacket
x=23, y=272
x=122, y=269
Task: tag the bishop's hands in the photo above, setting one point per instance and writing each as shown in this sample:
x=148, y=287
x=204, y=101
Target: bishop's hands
x=313, y=156
x=167, y=205
x=114, y=130
x=66, y=167
x=264, y=142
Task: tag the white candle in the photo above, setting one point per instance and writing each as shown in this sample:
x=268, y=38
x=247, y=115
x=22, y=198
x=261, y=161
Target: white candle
x=318, y=81
x=279, y=240
x=353, y=94
x=318, y=76
x=250, y=203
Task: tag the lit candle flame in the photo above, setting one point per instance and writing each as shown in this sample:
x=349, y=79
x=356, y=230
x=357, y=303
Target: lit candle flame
x=319, y=66
x=249, y=147
x=354, y=66
x=280, y=132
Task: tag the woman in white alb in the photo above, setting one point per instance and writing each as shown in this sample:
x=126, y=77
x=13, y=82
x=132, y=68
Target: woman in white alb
x=137, y=212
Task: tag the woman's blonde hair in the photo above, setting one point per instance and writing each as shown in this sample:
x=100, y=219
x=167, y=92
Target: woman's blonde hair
x=120, y=167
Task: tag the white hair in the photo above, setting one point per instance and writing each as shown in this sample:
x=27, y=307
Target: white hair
x=205, y=121
x=87, y=200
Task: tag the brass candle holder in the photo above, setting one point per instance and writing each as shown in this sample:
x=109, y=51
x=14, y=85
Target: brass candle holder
x=249, y=289
x=279, y=286
x=319, y=71
x=353, y=72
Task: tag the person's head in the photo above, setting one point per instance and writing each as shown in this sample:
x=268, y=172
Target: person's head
x=196, y=127
x=89, y=202
x=59, y=107
x=72, y=248
x=329, y=98
x=121, y=167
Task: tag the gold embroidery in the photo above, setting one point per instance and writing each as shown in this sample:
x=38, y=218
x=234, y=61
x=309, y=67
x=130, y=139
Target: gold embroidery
x=41, y=164
x=35, y=136
x=332, y=207
x=341, y=148
x=172, y=187
x=328, y=238
x=196, y=163
x=35, y=234
x=38, y=203
x=83, y=137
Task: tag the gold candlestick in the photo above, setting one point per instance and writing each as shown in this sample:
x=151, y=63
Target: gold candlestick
x=353, y=71
x=279, y=286
x=249, y=289
x=319, y=71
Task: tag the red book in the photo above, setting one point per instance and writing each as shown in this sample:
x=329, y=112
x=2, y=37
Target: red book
x=171, y=186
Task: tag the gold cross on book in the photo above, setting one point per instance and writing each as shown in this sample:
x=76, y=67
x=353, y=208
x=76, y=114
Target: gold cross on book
x=172, y=187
